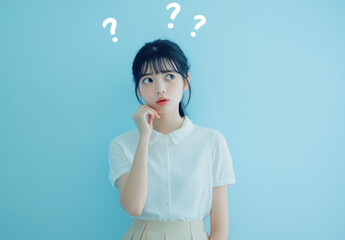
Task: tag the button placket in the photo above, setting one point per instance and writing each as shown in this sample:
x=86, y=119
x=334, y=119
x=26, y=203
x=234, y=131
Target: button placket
x=166, y=176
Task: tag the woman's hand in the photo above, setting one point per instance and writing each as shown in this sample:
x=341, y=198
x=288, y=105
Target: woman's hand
x=145, y=126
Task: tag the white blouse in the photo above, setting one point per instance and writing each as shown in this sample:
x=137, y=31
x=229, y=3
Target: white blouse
x=183, y=166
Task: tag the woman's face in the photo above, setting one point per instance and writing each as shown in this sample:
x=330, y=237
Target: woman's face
x=164, y=84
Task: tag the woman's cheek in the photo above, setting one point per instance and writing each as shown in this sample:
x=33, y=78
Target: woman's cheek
x=145, y=92
x=175, y=87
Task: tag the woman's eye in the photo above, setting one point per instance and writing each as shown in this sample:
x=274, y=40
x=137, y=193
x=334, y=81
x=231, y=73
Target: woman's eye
x=147, y=78
x=172, y=77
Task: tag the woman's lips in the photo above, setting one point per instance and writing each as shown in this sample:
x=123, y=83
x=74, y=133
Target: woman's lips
x=162, y=102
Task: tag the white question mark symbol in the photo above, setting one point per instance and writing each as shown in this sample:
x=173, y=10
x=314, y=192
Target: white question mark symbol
x=174, y=13
x=199, y=24
x=112, y=28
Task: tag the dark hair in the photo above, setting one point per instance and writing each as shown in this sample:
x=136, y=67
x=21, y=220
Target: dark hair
x=153, y=53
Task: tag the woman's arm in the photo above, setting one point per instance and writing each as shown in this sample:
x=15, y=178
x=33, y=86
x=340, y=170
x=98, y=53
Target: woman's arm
x=135, y=190
x=219, y=236
x=219, y=214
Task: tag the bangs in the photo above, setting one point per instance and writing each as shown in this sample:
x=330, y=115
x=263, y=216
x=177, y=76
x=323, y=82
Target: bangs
x=158, y=65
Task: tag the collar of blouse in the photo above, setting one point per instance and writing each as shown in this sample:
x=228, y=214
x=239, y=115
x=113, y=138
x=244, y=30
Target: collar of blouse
x=177, y=135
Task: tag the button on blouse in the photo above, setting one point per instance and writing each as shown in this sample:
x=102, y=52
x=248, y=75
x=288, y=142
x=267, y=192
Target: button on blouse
x=183, y=167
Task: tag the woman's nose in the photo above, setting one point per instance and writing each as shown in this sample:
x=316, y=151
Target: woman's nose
x=160, y=86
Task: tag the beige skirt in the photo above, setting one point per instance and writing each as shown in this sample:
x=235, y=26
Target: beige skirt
x=159, y=230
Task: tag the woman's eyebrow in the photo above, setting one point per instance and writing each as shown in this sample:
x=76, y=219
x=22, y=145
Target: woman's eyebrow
x=164, y=71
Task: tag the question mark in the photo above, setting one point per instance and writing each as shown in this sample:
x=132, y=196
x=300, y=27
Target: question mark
x=174, y=13
x=199, y=24
x=112, y=28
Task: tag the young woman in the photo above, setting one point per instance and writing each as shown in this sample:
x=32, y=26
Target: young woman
x=171, y=173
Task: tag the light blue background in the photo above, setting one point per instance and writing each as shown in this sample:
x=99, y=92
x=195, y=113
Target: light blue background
x=269, y=75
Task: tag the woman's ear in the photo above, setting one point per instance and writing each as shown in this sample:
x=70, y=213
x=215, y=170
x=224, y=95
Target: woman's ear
x=186, y=86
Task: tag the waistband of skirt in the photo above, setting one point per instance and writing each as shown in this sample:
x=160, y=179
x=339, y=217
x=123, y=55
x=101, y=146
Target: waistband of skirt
x=167, y=226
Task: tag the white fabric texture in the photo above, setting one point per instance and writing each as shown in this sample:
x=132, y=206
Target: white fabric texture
x=183, y=166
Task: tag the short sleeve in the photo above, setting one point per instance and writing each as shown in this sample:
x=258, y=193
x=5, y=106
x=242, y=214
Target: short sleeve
x=222, y=167
x=118, y=163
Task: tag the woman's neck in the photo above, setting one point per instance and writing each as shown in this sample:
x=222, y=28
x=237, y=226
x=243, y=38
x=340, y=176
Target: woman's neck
x=167, y=123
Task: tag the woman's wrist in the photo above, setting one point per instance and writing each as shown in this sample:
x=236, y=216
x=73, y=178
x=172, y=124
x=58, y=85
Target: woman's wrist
x=144, y=137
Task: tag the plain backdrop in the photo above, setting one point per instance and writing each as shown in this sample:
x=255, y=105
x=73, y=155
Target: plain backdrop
x=269, y=75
